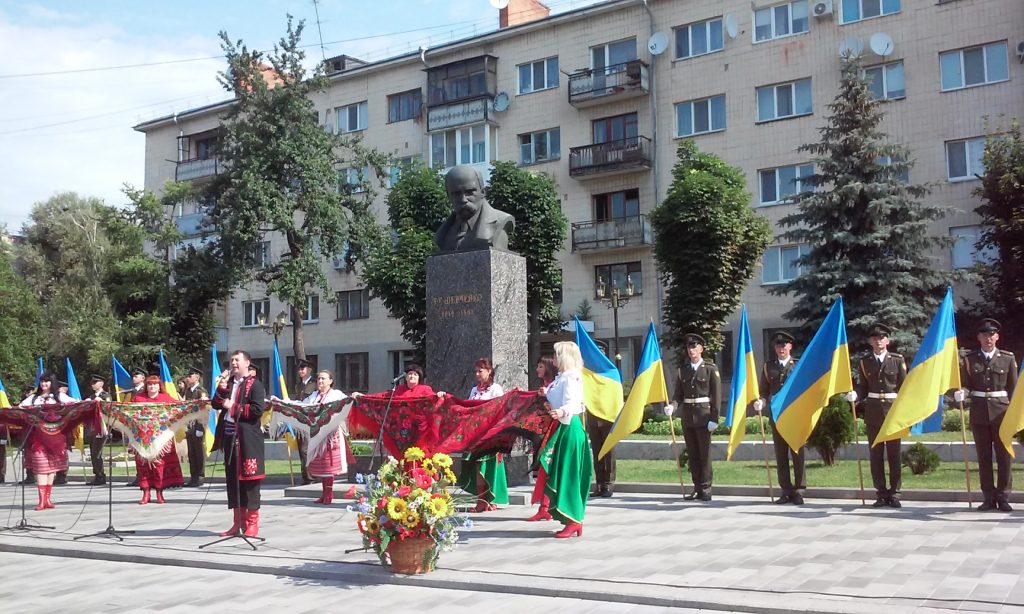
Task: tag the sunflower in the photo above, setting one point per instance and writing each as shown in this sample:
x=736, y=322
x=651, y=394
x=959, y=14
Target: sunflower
x=415, y=454
x=438, y=507
x=411, y=519
x=448, y=475
x=428, y=466
x=417, y=493
x=397, y=508
x=442, y=460
x=372, y=526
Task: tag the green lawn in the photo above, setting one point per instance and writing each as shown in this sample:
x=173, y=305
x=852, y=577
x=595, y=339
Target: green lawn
x=939, y=436
x=949, y=475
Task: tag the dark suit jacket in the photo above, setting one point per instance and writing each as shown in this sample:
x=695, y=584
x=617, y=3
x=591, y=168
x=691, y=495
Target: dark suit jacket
x=1000, y=373
x=880, y=378
x=491, y=230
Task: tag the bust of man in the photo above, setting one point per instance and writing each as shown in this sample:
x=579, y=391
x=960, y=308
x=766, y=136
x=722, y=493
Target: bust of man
x=474, y=224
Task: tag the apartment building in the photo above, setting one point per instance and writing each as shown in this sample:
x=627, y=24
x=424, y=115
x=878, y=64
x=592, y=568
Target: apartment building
x=599, y=97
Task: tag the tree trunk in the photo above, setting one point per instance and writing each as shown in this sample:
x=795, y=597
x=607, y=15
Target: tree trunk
x=298, y=339
x=533, y=347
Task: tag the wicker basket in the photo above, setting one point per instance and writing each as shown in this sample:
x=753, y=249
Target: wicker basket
x=411, y=556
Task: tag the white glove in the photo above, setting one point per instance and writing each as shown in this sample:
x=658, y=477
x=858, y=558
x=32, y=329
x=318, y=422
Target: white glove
x=199, y=433
x=758, y=405
x=851, y=396
x=960, y=395
x=440, y=394
x=712, y=425
x=669, y=409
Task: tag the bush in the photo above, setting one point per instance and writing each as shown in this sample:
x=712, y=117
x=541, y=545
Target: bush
x=834, y=430
x=919, y=459
x=662, y=428
x=951, y=421
x=361, y=449
x=684, y=458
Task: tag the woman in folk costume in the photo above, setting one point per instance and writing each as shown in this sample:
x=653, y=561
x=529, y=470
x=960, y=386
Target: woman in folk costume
x=165, y=471
x=485, y=475
x=328, y=460
x=46, y=453
x=241, y=399
x=546, y=371
x=566, y=459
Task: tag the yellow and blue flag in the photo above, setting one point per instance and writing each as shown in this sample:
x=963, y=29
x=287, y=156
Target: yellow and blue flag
x=935, y=370
x=1013, y=420
x=75, y=393
x=166, y=381
x=279, y=389
x=122, y=380
x=744, y=390
x=602, y=382
x=648, y=387
x=5, y=401
x=39, y=371
x=823, y=371
x=211, y=421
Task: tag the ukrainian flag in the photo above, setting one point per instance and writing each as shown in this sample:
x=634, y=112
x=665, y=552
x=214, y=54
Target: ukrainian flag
x=166, y=381
x=75, y=393
x=648, y=387
x=1013, y=420
x=936, y=369
x=211, y=422
x=823, y=371
x=602, y=383
x=4, y=400
x=743, y=391
x=122, y=380
x=279, y=389
x=39, y=371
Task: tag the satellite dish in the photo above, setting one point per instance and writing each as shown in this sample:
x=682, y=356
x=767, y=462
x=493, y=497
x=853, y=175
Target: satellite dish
x=658, y=43
x=501, y=102
x=499, y=4
x=881, y=44
x=851, y=46
x=732, y=25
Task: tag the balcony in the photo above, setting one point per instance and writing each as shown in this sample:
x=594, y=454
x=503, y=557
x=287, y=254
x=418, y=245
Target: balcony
x=592, y=87
x=459, y=114
x=611, y=234
x=610, y=158
x=190, y=170
x=191, y=224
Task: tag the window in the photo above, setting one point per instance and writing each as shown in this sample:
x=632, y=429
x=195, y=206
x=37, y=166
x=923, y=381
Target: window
x=352, y=118
x=902, y=175
x=403, y=106
x=886, y=81
x=612, y=57
x=539, y=146
x=353, y=305
x=784, y=100
x=974, y=66
x=780, y=20
x=779, y=184
x=965, y=253
x=698, y=38
x=353, y=372
x=312, y=311
x=395, y=171
x=205, y=148
x=617, y=205
x=353, y=180
x=460, y=146
x=539, y=75
x=615, y=276
x=461, y=80
x=617, y=128
x=779, y=263
x=251, y=311
x=965, y=159
x=261, y=255
x=855, y=10
x=700, y=116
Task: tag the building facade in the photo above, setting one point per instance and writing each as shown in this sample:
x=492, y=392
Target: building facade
x=598, y=99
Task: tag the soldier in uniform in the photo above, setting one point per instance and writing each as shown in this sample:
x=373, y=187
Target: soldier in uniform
x=306, y=386
x=96, y=437
x=880, y=377
x=195, y=433
x=138, y=387
x=773, y=375
x=698, y=394
x=989, y=376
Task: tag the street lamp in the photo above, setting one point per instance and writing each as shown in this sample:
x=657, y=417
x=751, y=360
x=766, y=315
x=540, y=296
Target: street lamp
x=275, y=327
x=613, y=301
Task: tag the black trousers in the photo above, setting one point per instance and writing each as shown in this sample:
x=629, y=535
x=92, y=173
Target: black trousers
x=247, y=490
x=96, y=454
x=3, y=462
x=797, y=484
x=604, y=468
x=195, y=437
x=878, y=456
x=698, y=449
x=303, y=445
x=986, y=438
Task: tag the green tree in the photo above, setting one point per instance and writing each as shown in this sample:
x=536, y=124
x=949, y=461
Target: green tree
x=1002, y=213
x=708, y=243
x=532, y=198
x=21, y=326
x=282, y=176
x=865, y=226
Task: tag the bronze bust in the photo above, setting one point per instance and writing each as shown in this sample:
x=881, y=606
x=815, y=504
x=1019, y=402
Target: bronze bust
x=474, y=224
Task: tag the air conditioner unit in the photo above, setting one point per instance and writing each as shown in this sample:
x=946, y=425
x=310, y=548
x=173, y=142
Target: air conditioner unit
x=822, y=9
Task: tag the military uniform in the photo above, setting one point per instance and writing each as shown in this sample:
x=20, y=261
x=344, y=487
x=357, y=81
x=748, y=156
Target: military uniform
x=990, y=382
x=879, y=381
x=195, y=436
x=96, y=438
x=306, y=387
x=698, y=395
x=773, y=375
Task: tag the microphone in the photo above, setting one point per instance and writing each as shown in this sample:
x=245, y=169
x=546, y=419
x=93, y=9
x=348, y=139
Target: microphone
x=398, y=379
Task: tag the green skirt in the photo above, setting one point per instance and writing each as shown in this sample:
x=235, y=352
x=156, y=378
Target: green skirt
x=569, y=465
x=493, y=472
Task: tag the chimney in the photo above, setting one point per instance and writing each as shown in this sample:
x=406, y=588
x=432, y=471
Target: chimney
x=522, y=11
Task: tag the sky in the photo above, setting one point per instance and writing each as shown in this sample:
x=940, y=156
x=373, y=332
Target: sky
x=76, y=75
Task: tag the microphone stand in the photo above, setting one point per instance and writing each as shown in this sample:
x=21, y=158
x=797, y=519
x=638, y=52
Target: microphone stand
x=110, y=531
x=25, y=524
x=240, y=533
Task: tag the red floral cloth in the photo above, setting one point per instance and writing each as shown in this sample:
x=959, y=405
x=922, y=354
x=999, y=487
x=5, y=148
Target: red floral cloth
x=164, y=472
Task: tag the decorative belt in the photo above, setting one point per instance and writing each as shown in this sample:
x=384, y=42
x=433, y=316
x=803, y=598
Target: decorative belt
x=888, y=396
x=698, y=400
x=998, y=394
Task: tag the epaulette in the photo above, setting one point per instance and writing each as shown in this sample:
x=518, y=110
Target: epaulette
x=1006, y=353
x=895, y=355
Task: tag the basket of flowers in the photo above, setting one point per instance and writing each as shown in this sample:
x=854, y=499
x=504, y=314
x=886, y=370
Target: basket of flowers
x=407, y=514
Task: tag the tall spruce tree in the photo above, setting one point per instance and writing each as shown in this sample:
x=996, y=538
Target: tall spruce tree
x=708, y=242
x=865, y=226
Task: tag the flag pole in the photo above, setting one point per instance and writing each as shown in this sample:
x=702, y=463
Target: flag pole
x=672, y=429
x=967, y=470
x=856, y=447
x=767, y=466
x=291, y=473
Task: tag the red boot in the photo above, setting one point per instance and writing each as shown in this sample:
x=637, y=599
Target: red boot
x=542, y=513
x=328, y=495
x=145, y=497
x=42, y=498
x=573, y=529
x=237, y=526
x=252, y=523
x=49, y=501
x=160, y=495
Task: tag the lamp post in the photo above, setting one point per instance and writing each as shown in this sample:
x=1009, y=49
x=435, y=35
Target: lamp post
x=275, y=327
x=613, y=300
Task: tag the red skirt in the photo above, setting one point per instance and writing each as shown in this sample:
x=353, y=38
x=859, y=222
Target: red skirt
x=328, y=461
x=47, y=453
x=164, y=472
